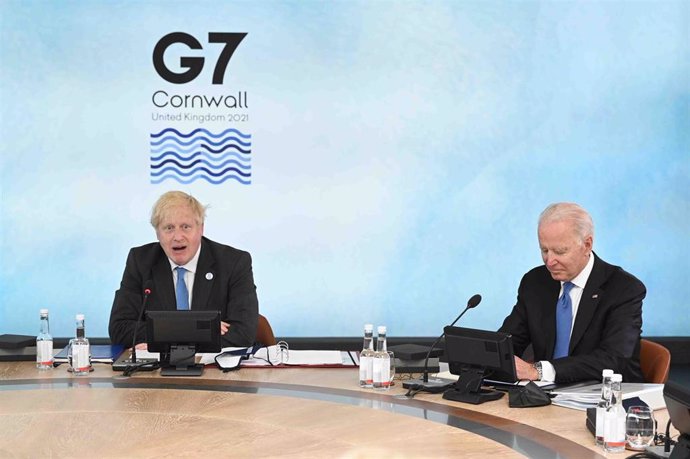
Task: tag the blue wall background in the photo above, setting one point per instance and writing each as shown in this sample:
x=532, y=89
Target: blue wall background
x=401, y=152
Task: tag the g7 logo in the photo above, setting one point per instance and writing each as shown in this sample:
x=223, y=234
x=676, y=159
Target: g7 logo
x=194, y=65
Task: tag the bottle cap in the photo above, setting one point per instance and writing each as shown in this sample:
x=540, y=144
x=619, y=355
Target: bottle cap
x=44, y=311
x=606, y=373
x=368, y=328
x=616, y=377
x=381, y=329
x=80, y=316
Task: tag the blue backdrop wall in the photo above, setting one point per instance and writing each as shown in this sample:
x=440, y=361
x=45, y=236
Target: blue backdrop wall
x=382, y=161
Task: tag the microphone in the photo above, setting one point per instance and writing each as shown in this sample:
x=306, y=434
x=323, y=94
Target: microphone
x=438, y=384
x=147, y=291
x=131, y=364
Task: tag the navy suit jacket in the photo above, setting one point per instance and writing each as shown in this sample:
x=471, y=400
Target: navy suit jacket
x=223, y=282
x=607, y=328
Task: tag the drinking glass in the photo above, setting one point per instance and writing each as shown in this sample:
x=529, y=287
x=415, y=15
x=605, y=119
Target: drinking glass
x=639, y=427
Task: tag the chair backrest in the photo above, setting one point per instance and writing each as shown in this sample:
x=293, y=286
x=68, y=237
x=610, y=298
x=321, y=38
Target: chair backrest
x=264, y=332
x=655, y=361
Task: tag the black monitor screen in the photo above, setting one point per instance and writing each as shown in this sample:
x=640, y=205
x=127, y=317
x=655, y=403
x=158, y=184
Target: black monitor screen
x=492, y=352
x=200, y=329
x=677, y=400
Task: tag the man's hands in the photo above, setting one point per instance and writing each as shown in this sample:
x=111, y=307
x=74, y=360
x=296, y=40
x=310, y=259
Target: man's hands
x=224, y=327
x=525, y=370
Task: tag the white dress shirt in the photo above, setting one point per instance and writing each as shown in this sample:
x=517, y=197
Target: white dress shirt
x=189, y=275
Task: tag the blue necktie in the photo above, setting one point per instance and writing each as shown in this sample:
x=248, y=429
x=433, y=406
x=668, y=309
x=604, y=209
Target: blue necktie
x=564, y=321
x=181, y=292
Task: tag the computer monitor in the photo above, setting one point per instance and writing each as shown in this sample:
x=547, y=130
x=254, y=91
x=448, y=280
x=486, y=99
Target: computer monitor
x=677, y=398
x=473, y=355
x=179, y=335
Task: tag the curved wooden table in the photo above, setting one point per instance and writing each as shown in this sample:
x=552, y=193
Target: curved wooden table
x=298, y=412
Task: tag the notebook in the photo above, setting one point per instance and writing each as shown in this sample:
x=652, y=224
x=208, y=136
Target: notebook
x=105, y=353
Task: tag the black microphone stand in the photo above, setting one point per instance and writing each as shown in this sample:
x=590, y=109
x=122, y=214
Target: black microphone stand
x=437, y=385
x=147, y=292
x=129, y=366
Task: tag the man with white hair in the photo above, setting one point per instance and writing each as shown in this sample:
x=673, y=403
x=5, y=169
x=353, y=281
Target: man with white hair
x=580, y=314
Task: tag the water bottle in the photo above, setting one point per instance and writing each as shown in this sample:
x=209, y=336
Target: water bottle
x=382, y=364
x=614, y=418
x=603, y=404
x=79, y=354
x=366, y=358
x=44, y=344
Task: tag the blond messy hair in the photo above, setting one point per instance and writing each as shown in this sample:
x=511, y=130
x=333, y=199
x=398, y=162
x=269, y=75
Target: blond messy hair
x=173, y=199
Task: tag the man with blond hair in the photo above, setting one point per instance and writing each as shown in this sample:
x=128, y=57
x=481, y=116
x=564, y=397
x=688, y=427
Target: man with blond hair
x=186, y=271
x=580, y=314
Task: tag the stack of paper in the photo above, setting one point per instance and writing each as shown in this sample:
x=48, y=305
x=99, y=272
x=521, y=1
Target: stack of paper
x=583, y=397
x=231, y=357
x=293, y=357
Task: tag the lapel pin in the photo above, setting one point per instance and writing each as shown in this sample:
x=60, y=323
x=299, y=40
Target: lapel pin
x=594, y=297
x=209, y=276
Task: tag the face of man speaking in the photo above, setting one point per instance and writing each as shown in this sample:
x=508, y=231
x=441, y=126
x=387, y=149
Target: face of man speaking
x=564, y=253
x=179, y=234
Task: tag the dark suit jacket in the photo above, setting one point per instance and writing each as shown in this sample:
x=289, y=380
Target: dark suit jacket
x=231, y=290
x=607, y=327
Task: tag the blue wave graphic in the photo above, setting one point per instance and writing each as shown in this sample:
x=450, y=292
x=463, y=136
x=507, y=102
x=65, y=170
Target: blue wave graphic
x=187, y=157
x=199, y=139
x=230, y=154
x=194, y=148
x=204, y=169
x=205, y=131
x=221, y=150
x=209, y=180
x=202, y=161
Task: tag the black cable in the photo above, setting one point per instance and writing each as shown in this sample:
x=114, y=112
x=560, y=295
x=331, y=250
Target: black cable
x=130, y=369
x=667, y=442
x=411, y=392
x=431, y=390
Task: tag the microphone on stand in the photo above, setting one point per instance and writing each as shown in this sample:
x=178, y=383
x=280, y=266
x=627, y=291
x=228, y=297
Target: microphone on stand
x=438, y=384
x=132, y=364
x=147, y=291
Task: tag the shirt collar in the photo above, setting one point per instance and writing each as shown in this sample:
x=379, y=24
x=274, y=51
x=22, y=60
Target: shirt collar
x=581, y=279
x=191, y=265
